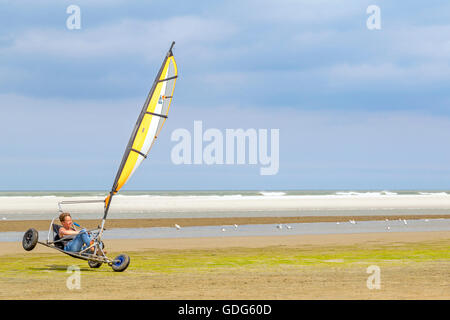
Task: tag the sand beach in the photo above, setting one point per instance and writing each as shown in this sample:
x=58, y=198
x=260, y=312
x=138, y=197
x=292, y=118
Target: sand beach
x=414, y=265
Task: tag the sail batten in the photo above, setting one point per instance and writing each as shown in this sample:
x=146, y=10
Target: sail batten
x=156, y=114
x=148, y=125
x=162, y=80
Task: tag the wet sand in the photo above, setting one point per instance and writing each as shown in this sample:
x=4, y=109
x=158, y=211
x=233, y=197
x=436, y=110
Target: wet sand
x=130, y=245
x=42, y=225
x=154, y=270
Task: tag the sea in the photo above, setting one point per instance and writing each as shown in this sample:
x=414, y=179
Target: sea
x=238, y=193
x=248, y=230
x=31, y=213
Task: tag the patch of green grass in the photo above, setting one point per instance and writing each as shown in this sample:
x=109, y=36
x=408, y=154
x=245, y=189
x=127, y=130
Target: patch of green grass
x=272, y=257
x=232, y=259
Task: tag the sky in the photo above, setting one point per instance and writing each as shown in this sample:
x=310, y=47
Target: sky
x=355, y=108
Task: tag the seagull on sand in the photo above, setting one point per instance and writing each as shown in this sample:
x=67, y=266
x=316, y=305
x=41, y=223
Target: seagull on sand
x=223, y=229
x=280, y=226
x=404, y=221
x=352, y=221
x=289, y=227
x=177, y=226
x=235, y=226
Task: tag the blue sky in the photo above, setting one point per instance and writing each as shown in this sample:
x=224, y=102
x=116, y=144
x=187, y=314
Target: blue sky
x=356, y=108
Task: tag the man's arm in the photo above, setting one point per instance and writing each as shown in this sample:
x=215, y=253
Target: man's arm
x=63, y=232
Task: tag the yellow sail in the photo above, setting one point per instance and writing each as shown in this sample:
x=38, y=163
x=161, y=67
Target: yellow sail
x=149, y=124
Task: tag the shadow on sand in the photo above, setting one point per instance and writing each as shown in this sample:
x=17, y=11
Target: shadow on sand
x=59, y=268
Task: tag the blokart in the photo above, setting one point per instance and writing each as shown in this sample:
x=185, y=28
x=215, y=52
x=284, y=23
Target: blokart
x=94, y=254
x=148, y=126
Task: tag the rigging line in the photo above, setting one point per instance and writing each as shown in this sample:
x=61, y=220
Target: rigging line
x=80, y=201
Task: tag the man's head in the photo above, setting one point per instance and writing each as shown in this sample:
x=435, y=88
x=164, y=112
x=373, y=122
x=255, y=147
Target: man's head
x=66, y=219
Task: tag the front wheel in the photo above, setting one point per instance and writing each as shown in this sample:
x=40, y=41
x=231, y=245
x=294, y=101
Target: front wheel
x=30, y=239
x=121, y=262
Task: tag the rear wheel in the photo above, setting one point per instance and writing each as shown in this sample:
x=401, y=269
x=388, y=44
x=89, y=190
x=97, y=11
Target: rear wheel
x=30, y=239
x=121, y=262
x=94, y=264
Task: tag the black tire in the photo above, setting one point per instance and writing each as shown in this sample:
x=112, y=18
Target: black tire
x=94, y=264
x=121, y=262
x=30, y=239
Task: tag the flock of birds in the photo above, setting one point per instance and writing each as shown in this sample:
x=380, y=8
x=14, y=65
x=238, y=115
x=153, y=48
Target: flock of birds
x=223, y=229
x=386, y=220
x=280, y=226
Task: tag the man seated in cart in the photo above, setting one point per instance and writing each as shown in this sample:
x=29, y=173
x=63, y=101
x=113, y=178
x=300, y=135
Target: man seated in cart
x=81, y=239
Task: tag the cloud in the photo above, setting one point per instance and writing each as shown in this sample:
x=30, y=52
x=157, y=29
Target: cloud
x=127, y=38
x=297, y=12
x=428, y=42
x=349, y=77
x=298, y=53
x=79, y=143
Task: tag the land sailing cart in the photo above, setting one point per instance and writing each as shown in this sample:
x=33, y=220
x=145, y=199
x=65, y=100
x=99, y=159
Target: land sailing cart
x=148, y=126
x=94, y=254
